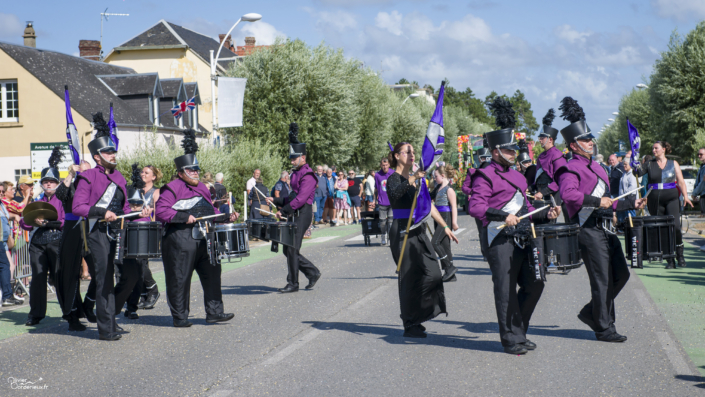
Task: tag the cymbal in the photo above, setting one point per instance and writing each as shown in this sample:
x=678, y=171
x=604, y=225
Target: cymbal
x=39, y=209
x=38, y=205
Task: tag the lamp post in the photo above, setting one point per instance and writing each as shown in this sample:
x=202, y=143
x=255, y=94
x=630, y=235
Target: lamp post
x=640, y=86
x=412, y=96
x=251, y=17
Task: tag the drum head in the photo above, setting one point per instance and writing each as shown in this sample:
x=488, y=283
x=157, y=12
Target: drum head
x=561, y=228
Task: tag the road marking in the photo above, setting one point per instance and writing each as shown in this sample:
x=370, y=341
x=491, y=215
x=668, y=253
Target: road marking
x=320, y=239
x=644, y=302
x=673, y=354
x=357, y=238
x=222, y=393
x=457, y=232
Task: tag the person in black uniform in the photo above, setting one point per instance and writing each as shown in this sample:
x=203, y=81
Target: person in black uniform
x=666, y=180
x=485, y=158
x=421, y=294
x=298, y=204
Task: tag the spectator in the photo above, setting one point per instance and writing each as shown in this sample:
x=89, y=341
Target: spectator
x=342, y=200
x=13, y=206
x=385, y=209
x=700, y=181
x=220, y=197
x=329, y=211
x=321, y=195
x=335, y=174
x=282, y=187
x=252, y=182
x=355, y=193
x=615, y=175
x=23, y=193
x=258, y=200
x=601, y=160
x=626, y=184
x=370, y=190
x=207, y=180
x=5, y=267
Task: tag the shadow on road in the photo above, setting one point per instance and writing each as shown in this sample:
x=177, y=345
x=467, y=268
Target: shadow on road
x=542, y=330
x=693, y=378
x=364, y=278
x=393, y=335
x=248, y=290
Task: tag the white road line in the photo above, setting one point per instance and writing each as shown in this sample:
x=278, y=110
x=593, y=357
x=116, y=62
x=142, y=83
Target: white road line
x=320, y=239
x=457, y=232
x=673, y=354
x=644, y=302
x=357, y=238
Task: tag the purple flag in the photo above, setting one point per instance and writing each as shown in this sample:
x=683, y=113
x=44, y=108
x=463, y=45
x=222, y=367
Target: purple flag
x=112, y=126
x=71, y=133
x=431, y=151
x=635, y=142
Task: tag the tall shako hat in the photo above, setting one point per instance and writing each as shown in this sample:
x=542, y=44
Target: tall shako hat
x=503, y=138
x=188, y=160
x=578, y=129
x=134, y=192
x=546, y=130
x=296, y=148
x=51, y=173
x=484, y=151
x=102, y=141
x=523, y=152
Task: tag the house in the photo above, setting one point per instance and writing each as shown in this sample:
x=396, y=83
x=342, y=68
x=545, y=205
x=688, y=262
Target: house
x=33, y=109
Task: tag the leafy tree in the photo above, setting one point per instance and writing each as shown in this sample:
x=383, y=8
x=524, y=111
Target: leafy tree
x=635, y=106
x=525, y=116
x=403, y=81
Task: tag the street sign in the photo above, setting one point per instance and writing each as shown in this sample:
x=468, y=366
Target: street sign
x=621, y=146
x=39, y=156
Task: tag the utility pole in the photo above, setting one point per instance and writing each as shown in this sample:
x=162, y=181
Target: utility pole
x=105, y=14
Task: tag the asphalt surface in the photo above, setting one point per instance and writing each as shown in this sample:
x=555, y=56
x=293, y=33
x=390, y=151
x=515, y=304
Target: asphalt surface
x=345, y=338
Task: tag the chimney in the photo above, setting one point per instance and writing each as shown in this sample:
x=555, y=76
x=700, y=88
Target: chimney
x=228, y=42
x=250, y=41
x=89, y=49
x=30, y=37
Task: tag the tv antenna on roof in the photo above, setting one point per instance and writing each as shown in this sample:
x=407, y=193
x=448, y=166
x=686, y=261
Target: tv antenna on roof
x=105, y=14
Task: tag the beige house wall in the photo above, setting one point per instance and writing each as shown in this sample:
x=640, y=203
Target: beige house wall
x=172, y=63
x=42, y=119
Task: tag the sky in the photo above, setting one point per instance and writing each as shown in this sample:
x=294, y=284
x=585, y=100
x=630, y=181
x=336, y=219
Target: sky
x=595, y=51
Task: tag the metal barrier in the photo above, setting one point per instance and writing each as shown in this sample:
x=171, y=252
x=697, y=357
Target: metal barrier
x=20, y=258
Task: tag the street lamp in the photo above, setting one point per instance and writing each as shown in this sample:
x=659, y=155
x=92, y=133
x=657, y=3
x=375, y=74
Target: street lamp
x=412, y=96
x=251, y=17
x=610, y=119
x=640, y=86
x=616, y=113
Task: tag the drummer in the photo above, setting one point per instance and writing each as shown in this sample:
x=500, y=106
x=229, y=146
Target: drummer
x=550, y=160
x=485, y=158
x=499, y=197
x=585, y=189
x=44, y=246
x=185, y=246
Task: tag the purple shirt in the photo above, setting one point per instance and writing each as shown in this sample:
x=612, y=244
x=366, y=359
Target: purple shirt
x=550, y=161
x=381, y=186
x=495, y=194
x=91, y=186
x=59, y=209
x=467, y=184
x=303, y=182
x=577, y=179
x=177, y=190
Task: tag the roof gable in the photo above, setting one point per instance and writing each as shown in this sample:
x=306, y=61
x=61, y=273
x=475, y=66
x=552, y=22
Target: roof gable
x=192, y=92
x=134, y=84
x=160, y=34
x=174, y=88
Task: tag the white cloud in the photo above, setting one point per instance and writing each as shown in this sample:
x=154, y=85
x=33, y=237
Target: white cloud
x=340, y=20
x=11, y=29
x=390, y=22
x=565, y=32
x=679, y=9
x=264, y=33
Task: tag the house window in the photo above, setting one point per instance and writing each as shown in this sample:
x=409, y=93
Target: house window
x=9, y=107
x=19, y=173
x=193, y=118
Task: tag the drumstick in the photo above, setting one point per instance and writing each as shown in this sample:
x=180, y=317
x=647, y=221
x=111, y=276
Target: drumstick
x=630, y=221
x=266, y=212
x=533, y=231
x=524, y=216
x=230, y=201
x=208, y=217
x=627, y=194
x=124, y=216
x=648, y=192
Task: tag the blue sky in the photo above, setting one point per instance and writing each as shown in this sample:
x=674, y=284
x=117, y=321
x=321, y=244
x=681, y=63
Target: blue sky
x=594, y=51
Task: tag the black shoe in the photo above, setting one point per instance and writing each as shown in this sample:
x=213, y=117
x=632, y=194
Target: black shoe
x=585, y=319
x=516, y=349
x=312, y=281
x=422, y=327
x=670, y=264
x=142, y=302
x=182, y=323
x=414, y=332
x=32, y=321
x=132, y=315
x=109, y=337
x=615, y=337
x=120, y=329
x=216, y=318
x=450, y=280
x=151, y=300
x=680, y=255
x=288, y=289
x=450, y=273
x=529, y=345
x=90, y=314
x=75, y=325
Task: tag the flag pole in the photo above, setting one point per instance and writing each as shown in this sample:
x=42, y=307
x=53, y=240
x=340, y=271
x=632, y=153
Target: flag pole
x=408, y=226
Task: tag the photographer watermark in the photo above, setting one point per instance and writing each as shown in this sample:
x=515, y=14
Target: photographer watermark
x=24, y=384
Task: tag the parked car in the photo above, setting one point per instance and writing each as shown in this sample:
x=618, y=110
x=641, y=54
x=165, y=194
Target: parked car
x=689, y=175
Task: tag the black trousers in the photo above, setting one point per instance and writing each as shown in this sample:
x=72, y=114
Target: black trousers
x=44, y=259
x=101, y=261
x=182, y=255
x=441, y=241
x=608, y=273
x=145, y=283
x=294, y=260
x=482, y=233
x=666, y=202
x=126, y=276
x=510, y=268
x=68, y=276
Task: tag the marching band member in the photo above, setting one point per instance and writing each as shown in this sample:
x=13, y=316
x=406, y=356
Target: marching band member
x=445, y=200
x=185, y=243
x=499, y=197
x=485, y=158
x=101, y=194
x=299, y=204
x=550, y=160
x=585, y=190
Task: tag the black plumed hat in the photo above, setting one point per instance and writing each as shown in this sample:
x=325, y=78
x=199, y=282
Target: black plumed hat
x=547, y=131
x=52, y=172
x=102, y=141
x=504, y=115
x=134, y=192
x=578, y=129
x=188, y=160
x=296, y=148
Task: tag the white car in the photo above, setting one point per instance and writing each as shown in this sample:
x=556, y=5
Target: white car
x=689, y=175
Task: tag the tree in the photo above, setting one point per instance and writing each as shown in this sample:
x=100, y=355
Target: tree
x=403, y=81
x=524, y=115
x=635, y=106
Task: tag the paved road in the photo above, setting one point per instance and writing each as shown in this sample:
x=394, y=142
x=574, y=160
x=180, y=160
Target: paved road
x=344, y=338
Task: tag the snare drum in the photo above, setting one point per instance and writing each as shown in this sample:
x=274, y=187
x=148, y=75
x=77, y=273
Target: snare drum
x=658, y=237
x=143, y=240
x=231, y=241
x=282, y=232
x=258, y=228
x=561, y=248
